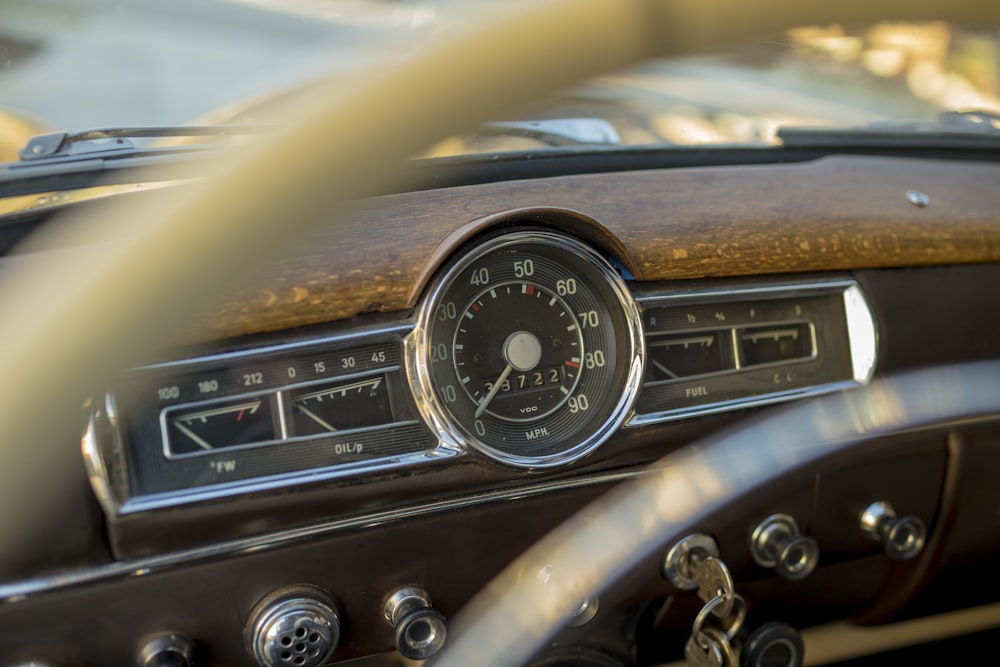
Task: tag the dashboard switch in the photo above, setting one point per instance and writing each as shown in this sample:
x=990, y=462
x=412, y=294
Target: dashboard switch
x=168, y=650
x=419, y=631
x=296, y=626
x=777, y=543
x=902, y=537
x=773, y=644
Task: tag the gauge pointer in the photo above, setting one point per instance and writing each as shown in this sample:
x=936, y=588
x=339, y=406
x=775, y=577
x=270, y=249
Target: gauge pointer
x=522, y=352
x=197, y=439
x=664, y=369
x=315, y=417
x=493, y=392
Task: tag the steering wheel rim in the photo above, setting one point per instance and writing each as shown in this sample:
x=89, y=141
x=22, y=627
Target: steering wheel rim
x=519, y=610
x=93, y=288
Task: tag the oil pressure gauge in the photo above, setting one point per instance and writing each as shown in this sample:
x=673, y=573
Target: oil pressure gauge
x=529, y=349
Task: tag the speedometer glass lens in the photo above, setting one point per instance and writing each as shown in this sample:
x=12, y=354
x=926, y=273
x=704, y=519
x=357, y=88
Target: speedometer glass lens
x=528, y=350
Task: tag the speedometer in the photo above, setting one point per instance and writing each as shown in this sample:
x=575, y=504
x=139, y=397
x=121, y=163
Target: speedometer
x=529, y=349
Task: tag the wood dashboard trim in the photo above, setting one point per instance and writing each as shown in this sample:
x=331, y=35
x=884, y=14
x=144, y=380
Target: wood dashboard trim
x=835, y=213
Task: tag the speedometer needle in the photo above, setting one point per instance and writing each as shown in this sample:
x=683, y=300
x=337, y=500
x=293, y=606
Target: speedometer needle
x=493, y=392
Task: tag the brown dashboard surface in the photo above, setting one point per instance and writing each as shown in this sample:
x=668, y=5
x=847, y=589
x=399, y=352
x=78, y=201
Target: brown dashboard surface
x=841, y=212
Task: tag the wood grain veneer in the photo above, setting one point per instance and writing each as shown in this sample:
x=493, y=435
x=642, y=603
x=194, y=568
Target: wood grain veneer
x=835, y=213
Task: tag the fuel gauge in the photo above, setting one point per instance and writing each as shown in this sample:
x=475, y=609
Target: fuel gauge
x=342, y=406
x=675, y=356
x=229, y=424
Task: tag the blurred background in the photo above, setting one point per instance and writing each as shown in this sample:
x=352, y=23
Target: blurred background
x=75, y=64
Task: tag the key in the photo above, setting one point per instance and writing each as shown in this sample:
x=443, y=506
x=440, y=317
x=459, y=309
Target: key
x=714, y=581
x=709, y=656
x=716, y=651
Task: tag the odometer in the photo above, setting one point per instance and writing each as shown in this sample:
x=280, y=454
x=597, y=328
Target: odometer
x=528, y=349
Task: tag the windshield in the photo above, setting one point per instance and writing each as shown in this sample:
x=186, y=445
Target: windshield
x=74, y=64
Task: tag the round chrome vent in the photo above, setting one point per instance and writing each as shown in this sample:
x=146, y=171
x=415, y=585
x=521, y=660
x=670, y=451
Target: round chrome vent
x=294, y=627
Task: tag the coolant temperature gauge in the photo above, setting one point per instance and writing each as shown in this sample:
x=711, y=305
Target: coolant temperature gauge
x=342, y=406
x=230, y=424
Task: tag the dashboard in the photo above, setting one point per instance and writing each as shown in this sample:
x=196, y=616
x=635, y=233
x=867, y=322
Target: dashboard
x=529, y=352
x=367, y=418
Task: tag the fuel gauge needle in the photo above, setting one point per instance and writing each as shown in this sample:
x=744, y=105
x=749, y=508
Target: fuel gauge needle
x=663, y=369
x=493, y=392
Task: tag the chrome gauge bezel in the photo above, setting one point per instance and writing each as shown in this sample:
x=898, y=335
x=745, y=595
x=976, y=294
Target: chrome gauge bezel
x=439, y=418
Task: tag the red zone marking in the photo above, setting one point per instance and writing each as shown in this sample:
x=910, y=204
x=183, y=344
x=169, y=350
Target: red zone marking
x=475, y=307
x=572, y=364
x=531, y=290
x=239, y=417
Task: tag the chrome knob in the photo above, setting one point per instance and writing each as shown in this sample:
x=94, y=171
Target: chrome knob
x=167, y=650
x=777, y=543
x=681, y=560
x=296, y=626
x=902, y=537
x=419, y=631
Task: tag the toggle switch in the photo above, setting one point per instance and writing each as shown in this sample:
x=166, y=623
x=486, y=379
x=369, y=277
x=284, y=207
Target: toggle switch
x=902, y=537
x=777, y=543
x=419, y=631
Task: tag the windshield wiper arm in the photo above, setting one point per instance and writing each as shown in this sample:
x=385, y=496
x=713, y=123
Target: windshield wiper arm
x=109, y=143
x=953, y=129
x=557, y=131
x=69, y=161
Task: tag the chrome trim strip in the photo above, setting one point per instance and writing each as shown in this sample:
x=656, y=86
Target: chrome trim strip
x=281, y=403
x=862, y=333
x=169, y=499
x=715, y=294
x=93, y=460
x=398, y=331
x=12, y=593
x=738, y=404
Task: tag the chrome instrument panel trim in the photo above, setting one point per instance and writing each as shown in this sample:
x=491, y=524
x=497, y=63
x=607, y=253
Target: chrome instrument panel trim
x=861, y=334
x=776, y=289
x=739, y=404
x=418, y=366
x=861, y=330
x=117, y=503
x=11, y=593
x=273, y=482
x=109, y=495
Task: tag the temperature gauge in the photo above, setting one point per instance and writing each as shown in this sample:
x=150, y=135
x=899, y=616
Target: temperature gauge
x=230, y=424
x=342, y=406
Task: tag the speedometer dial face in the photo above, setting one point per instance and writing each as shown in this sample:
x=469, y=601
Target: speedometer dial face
x=529, y=350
